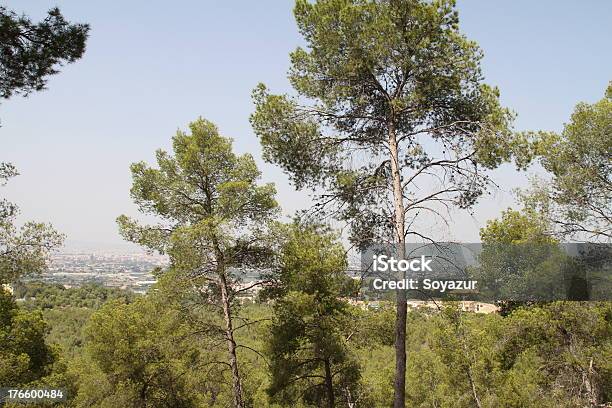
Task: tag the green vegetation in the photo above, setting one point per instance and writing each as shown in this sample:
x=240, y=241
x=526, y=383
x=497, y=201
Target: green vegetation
x=31, y=52
x=308, y=347
x=49, y=296
x=391, y=123
x=23, y=250
x=24, y=355
x=577, y=198
x=214, y=216
x=145, y=354
x=190, y=342
x=308, y=351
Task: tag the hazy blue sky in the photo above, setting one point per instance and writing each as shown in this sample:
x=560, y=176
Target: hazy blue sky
x=152, y=66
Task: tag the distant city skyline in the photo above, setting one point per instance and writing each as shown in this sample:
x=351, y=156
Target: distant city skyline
x=150, y=70
x=132, y=271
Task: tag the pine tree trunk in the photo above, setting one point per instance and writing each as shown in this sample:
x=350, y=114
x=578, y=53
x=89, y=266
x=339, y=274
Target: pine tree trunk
x=399, y=397
x=329, y=384
x=231, y=344
x=591, y=388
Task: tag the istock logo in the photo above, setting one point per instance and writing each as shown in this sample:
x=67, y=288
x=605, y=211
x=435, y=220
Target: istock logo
x=383, y=263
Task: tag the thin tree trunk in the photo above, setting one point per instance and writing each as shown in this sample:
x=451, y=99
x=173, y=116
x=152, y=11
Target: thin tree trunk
x=469, y=358
x=231, y=344
x=329, y=385
x=590, y=385
x=399, y=386
x=473, y=385
x=143, y=394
